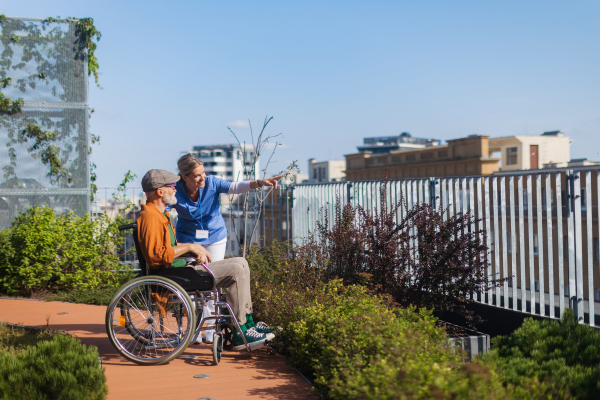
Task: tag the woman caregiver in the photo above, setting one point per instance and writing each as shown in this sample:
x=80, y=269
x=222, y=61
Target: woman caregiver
x=198, y=209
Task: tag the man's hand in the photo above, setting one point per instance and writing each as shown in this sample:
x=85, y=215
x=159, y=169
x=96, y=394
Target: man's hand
x=201, y=252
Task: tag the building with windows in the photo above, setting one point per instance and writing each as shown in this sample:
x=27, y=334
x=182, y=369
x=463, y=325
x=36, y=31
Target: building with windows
x=387, y=144
x=460, y=157
x=548, y=150
x=226, y=161
x=326, y=171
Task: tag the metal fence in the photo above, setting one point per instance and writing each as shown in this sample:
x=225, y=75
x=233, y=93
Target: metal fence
x=542, y=230
x=47, y=67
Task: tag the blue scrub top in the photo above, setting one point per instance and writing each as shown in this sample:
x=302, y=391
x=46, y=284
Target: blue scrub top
x=203, y=214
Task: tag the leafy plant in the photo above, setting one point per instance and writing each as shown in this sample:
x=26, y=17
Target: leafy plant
x=422, y=261
x=86, y=32
x=61, y=368
x=565, y=353
x=356, y=345
x=96, y=296
x=45, y=251
x=8, y=106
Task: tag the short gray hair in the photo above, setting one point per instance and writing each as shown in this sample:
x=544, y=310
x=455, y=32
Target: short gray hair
x=188, y=163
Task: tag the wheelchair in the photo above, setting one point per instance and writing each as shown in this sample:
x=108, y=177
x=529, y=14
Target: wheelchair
x=152, y=319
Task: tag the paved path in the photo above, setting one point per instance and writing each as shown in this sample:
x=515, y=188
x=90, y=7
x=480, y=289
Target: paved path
x=240, y=375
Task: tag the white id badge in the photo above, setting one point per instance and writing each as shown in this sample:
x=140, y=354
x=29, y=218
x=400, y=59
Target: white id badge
x=201, y=234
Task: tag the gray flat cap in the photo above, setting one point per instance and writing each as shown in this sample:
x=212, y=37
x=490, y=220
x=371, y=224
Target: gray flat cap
x=157, y=178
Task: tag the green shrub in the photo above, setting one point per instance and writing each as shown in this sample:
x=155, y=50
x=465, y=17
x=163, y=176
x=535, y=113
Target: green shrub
x=94, y=296
x=46, y=251
x=61, y=368
x=564, y=353
x=355, y=345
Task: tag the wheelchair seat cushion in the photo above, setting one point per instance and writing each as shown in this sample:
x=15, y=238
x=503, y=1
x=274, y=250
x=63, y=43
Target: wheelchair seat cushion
x=187, y=277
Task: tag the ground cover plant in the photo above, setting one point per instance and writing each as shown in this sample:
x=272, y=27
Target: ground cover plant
x=565, y=353
x=48, y=365
x=46, y=252
x=94, y=296
x=355, y=344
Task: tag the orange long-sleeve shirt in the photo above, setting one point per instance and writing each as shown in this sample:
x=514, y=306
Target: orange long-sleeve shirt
x=154, y=237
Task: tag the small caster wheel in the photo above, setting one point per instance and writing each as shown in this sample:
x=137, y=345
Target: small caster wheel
x=217, y=348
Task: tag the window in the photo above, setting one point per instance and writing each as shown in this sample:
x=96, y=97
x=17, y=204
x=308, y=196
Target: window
x=583, y=200
x=315, y=173
x=511, y=156
x=229, y=173
x=508, y=243
x=284, y=225
x=535, y=244
x=596, y=249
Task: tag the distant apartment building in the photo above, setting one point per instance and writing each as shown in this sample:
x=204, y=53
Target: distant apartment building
x=549, y=150
x=387, y=144
x=460, y=157
x=225, y=160
x=326, y=171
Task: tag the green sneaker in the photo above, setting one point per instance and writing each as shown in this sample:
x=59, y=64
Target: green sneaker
x=263, y=328
x=251, y=336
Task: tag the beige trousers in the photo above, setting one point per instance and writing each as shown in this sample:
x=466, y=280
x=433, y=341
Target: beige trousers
x=233, y=274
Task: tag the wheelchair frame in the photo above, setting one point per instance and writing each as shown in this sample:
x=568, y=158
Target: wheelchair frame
x=161, y=313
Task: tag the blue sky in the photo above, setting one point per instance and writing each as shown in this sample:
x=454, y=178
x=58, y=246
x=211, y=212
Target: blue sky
x=175, y=74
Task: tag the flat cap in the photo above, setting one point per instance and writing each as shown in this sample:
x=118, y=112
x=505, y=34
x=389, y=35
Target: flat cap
x=157, y=178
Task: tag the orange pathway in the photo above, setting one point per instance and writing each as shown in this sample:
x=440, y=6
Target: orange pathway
x=240, y=375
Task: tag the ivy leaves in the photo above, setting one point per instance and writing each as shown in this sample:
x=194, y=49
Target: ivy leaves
x=45, y=43
x=86, y=32
x=8, y=106
x=43, y=147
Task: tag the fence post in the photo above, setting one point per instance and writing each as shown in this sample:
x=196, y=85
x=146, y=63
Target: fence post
x=434, y=192
x=349, y=192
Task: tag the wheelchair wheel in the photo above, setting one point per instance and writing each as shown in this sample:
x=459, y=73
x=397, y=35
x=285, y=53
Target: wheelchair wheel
x=227, y=335
x=217, y=348
x=150, y=320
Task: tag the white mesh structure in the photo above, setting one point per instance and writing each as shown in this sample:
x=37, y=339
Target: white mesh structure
x=47, y=64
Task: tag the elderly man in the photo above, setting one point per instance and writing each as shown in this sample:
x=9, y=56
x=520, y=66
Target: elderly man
x=156, y=236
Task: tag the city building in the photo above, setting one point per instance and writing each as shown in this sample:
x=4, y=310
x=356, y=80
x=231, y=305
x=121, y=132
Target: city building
x=548, y=150
x=326, y=171
x=460, y=157
x=387, y=144
x=225, y=161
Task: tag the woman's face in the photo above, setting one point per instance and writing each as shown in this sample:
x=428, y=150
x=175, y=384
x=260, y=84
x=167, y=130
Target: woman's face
x=196, y=179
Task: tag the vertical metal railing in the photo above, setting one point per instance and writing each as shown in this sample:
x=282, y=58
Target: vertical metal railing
x=539, y=229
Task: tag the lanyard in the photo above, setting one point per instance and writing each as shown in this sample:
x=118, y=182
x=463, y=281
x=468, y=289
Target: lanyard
x=199, y=205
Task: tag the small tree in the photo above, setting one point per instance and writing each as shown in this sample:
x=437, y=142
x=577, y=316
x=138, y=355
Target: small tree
x=260, y=146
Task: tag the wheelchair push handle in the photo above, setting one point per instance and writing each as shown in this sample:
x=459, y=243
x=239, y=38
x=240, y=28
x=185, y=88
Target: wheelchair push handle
x=127, y=226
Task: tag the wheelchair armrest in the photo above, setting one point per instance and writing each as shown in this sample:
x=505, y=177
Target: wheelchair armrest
x=187, y=255
x=127, y=226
